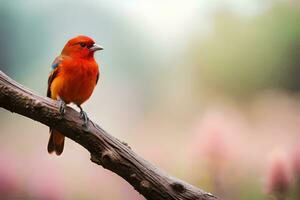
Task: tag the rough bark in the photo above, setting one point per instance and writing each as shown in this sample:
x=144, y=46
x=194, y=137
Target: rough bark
x=105, y=149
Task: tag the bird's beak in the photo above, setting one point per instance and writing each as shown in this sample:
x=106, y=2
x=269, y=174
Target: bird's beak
x=96, y=47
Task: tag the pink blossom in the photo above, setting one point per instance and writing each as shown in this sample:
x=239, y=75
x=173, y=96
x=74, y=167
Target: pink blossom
x=213, y=138
x=8, y=178
x=279, y=176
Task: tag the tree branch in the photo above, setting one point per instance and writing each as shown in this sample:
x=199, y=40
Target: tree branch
x=105, y=150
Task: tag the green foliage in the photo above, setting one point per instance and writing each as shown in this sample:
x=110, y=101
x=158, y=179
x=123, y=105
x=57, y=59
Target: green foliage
x=249, y=54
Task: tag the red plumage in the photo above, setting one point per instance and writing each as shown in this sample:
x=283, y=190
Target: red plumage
x=73, y=78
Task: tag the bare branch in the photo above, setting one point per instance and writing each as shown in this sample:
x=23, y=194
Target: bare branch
x=105, y=149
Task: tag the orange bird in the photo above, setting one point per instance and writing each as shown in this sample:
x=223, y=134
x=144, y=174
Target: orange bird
x=73, y=77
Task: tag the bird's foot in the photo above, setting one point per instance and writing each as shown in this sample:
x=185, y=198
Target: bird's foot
x=62, y=106
x=85, y=118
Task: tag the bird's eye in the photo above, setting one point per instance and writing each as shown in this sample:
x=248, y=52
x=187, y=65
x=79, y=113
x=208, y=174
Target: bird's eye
x=82, y=44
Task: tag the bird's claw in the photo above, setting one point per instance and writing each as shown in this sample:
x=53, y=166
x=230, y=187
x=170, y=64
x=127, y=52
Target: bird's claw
x=85, y=118
x=62, y=106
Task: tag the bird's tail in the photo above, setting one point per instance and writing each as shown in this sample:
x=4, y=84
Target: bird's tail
x=56, y=142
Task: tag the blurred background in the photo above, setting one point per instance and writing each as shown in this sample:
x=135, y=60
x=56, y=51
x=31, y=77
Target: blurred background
x=206, y=90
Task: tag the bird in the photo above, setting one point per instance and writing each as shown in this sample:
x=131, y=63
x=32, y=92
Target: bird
x=73, y=77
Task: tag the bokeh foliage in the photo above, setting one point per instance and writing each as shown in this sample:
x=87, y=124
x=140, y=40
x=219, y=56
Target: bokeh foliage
x=245, y=55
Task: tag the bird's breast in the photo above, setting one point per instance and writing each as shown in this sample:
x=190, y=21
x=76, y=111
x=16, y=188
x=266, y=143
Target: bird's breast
x=77, y=82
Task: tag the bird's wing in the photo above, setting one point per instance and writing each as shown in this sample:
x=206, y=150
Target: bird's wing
x=55, y=69
x=56, y=62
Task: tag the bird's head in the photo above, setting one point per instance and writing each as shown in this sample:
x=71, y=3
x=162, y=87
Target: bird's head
x=81, y=47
